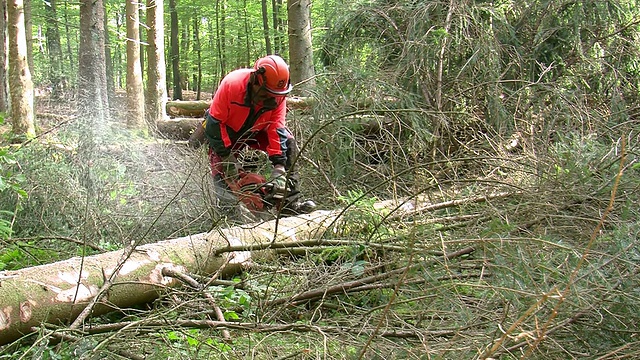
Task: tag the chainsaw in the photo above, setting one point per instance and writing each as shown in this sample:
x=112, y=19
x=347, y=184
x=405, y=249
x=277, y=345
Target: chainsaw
x=259, y=196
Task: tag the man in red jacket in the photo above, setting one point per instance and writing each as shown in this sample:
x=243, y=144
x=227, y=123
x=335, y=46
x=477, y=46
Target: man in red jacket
x=248, y=110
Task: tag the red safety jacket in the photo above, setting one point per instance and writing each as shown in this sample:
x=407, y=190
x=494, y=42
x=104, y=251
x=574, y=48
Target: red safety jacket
x=233, y=117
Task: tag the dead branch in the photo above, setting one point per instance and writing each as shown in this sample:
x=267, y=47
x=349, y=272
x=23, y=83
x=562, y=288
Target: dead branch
x=70, y=338
x=63, y=238
x=446, y=204
x=153, y=326
x=346, y=286
x=197, y=286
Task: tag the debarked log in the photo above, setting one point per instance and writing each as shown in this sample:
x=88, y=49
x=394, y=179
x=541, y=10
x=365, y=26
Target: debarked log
x=58, y=292
x=177, y=129
x=196, y=108
x=187, y=108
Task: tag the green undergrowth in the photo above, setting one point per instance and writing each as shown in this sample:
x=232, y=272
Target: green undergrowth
x=59, y=202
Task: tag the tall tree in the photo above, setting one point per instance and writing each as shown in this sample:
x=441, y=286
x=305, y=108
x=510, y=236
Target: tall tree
x=20, y=83
x=221, y=15
x=185, y=45
x=141, y=35
x=67, y=27
x=93, y=102
x=197, y=74
x=300, y=50
x=278, y=23
x=54, y=49
x=28, y=28
x=156, y=99
x=265, y=26
x=111, y=91
x=4, y=85
x=175, y=51
x=117, y=56
x=135, y=90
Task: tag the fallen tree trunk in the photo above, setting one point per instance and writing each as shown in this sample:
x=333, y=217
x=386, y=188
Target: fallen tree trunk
x=178, y=129
x=58, y=292
x=196, y=108
x=191, y=108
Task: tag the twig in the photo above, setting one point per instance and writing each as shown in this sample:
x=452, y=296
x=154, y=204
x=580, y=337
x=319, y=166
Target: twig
x=346, y=286
x=450, y=203
x=196, y=285
x=108, y=282
x=555, y=291
x=263, y=328
x=583, y=258
x=66, y=337
x=64, y=238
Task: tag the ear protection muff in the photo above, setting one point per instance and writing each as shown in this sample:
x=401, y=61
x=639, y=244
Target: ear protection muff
x=261, y=73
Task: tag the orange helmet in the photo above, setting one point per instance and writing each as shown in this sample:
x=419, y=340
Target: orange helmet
x=274, y=74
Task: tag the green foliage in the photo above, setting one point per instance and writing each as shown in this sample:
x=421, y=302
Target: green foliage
x=11, y=191
x=362, y=219
x=500, y=65
x=236, y=301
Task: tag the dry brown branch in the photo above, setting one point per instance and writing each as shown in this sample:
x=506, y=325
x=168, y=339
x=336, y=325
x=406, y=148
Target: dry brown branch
x=349, y=285
x=114, y=348
x=449, y=204
x=63, y=238
x=555, y=292
x=108, y=282
x=196, y=285
x=154, y=325
x=585, y=253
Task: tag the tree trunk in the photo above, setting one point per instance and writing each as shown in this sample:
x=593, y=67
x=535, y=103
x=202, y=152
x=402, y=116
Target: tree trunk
x=175, y=52
x=156, y=78
x=276, y=34
x=135, y=91
x=20, y=84
x=110, y=76
x=93, y=101
x=4, y=66
x=185, y=45
x=300, y=49
x=197, y=77
x=188, y=108
x=92, y=76
x=54, y=50
x=28, y=30
x=223, y=39
x=67, y=26
x=58, y=292
x=141, y=32
x=117, y=56
x=178, y=129
x=197, y=108
x=265, y=26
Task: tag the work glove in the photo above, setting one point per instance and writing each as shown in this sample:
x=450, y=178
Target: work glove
x=231, y=167
x=279, y=180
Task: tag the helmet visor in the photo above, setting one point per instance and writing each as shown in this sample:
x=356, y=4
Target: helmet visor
x=284, y=91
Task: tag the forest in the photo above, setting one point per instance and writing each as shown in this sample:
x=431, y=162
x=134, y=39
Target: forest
x=474, y=165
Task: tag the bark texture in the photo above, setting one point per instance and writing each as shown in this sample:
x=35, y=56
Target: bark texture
x=300, y=48
x=157, y=78
x=58, y=292
x=20, y=84
x=177, y=129
x=196, y=108
x=135, y=91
